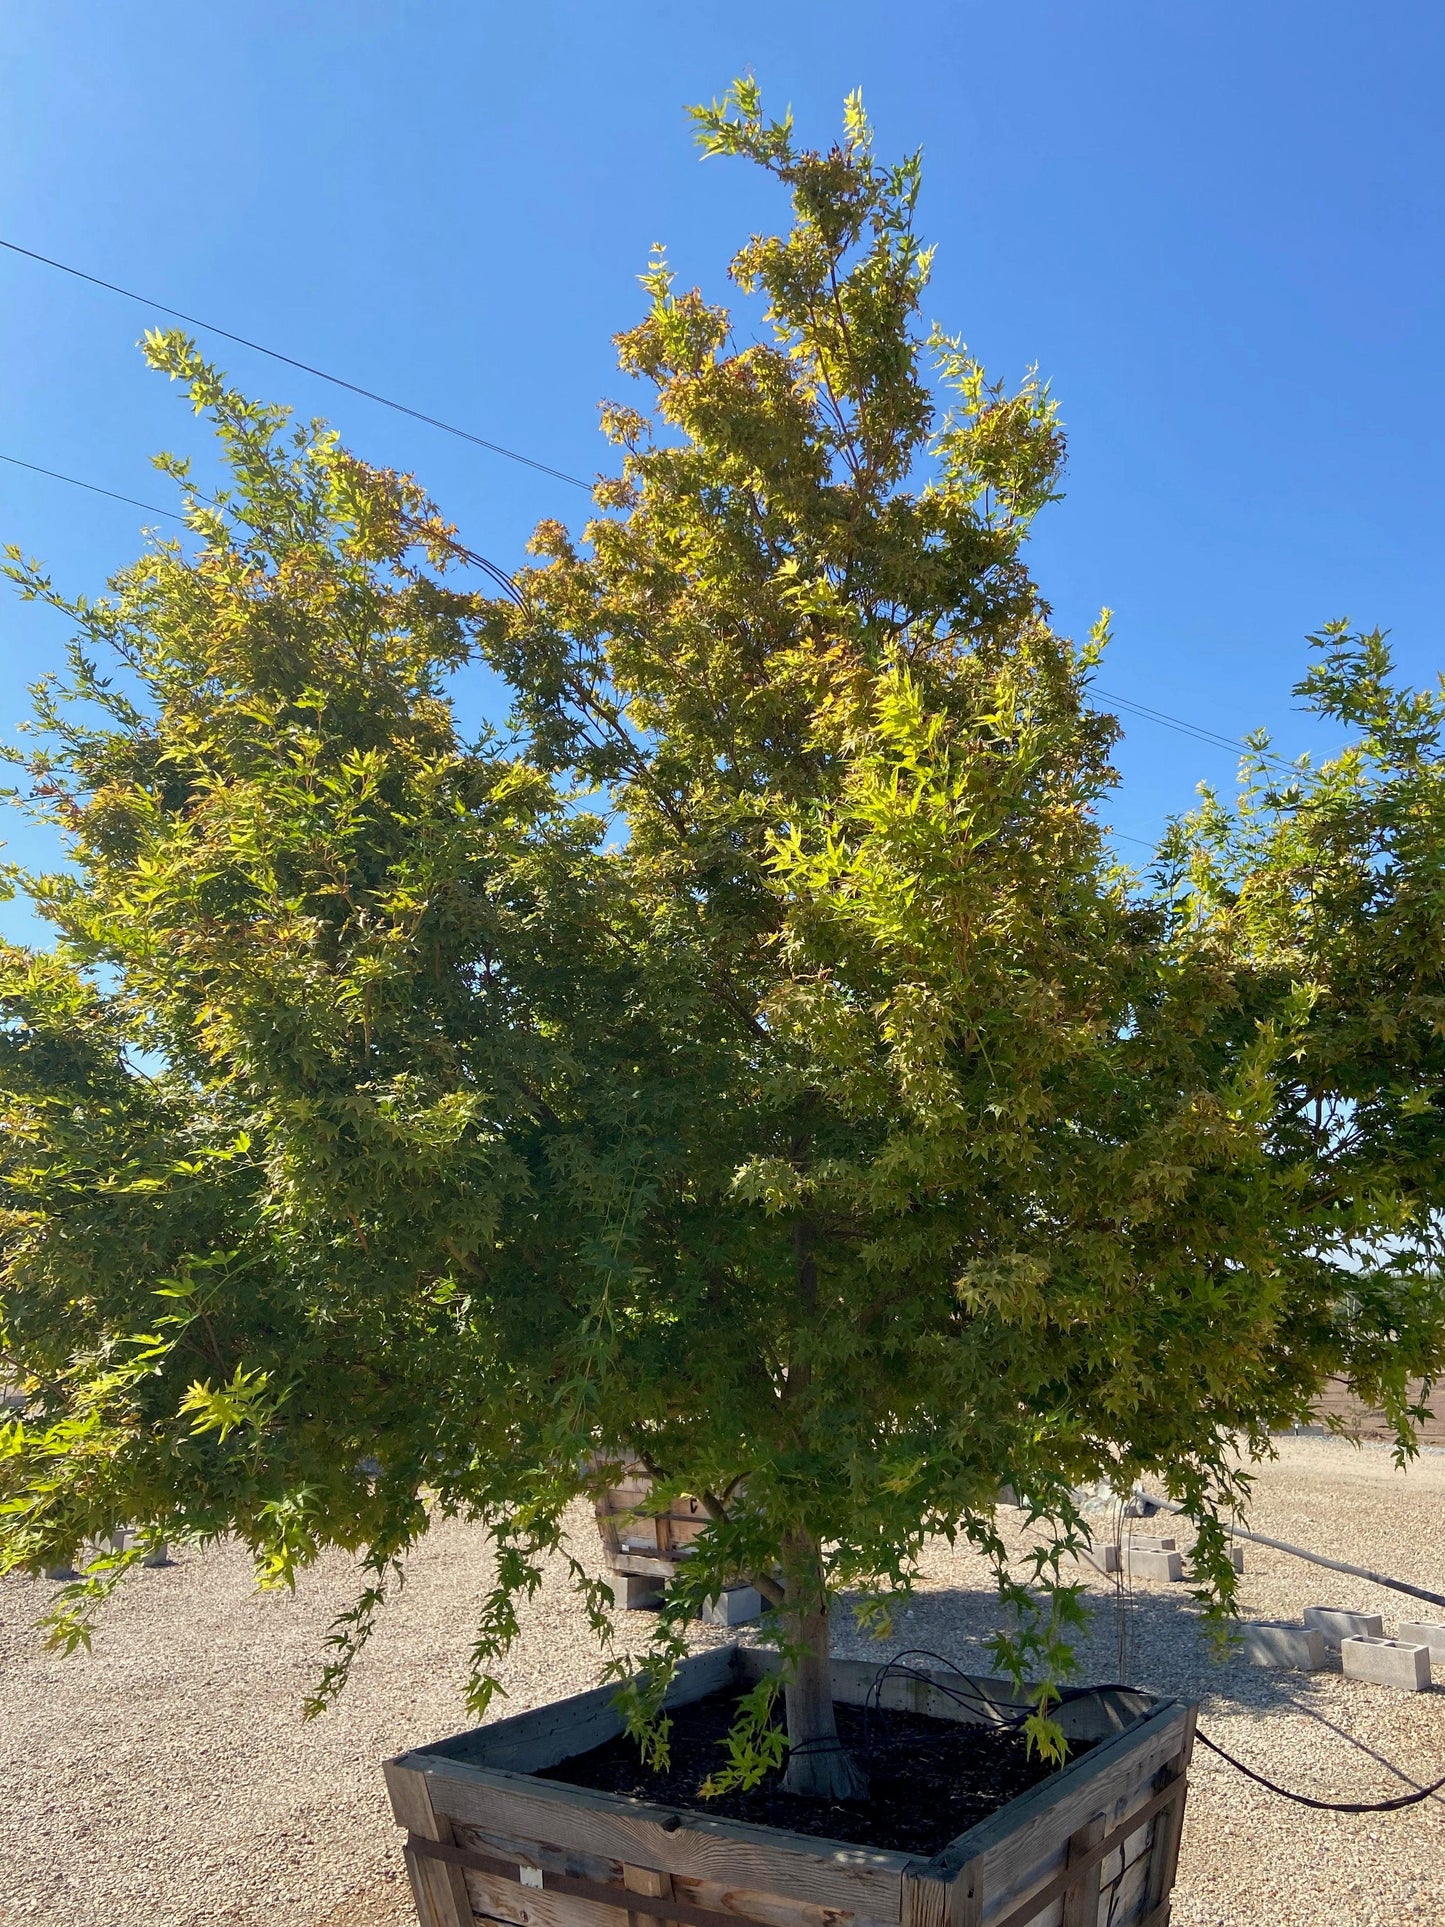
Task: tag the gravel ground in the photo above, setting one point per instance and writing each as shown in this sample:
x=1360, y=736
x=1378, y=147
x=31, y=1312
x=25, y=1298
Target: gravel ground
x=166, y=1779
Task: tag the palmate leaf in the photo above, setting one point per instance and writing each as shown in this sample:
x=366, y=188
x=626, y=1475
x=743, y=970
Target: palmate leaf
x=753, y=1066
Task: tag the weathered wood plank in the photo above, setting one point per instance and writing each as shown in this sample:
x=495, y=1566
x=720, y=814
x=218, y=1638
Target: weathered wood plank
x=1081, y=1901
x=858, y=1881
x=1169, y=1831
x=494, y=1898
x=1042, y=1905
x=1130, y=1900
x=717, y=1896
x=1022, y=1847
x=646, y=1880
x=930, y=1902
x=529, y=1742
x=440, y=1891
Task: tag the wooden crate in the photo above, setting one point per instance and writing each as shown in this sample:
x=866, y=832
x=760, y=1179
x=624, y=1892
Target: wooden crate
x=1093, y=1846
x=645, y=1545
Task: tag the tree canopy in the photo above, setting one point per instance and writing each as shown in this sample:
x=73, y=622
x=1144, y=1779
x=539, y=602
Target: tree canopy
x=750, y=1060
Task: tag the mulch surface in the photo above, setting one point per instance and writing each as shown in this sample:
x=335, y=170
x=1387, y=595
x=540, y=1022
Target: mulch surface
x=930, y=1780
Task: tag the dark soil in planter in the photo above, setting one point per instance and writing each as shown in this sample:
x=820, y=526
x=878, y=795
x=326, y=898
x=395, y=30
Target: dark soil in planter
x=929, y=1779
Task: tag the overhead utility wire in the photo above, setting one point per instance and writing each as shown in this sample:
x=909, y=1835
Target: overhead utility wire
x=290, y=361
x=1202, y=735
x=511, y=454
x=94, y=487
x=497, y=574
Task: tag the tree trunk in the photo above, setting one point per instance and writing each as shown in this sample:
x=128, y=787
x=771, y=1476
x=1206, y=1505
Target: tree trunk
x=819, y=1766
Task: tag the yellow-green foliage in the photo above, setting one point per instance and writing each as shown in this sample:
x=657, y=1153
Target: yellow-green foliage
x=753, y=1063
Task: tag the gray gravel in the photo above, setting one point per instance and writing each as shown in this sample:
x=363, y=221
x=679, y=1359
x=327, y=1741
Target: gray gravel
x=167, y=1780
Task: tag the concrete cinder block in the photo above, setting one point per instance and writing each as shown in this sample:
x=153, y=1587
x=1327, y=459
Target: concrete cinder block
x=1424, y=1632
x=734, y=1607
x=159, y=1555
x=1144, y=1542
x=1274, y=1642
x=1103, y=1558
x=1155, y=1565
x=638, y=1594
x=1386, y=1662
x=1337, y=1625
x=1236, y=1558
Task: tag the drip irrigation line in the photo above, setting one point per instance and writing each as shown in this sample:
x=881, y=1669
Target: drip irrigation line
x=967, y=1695
x=1324, y=1806
x=306, y=367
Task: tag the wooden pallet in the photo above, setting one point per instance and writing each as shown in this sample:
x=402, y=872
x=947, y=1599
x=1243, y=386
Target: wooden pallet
x=1093, y=1846
x=645, y=1545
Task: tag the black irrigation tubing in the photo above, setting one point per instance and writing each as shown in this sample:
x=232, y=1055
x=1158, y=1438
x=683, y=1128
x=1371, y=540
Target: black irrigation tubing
x=1323, y=1806
x=978, y=1701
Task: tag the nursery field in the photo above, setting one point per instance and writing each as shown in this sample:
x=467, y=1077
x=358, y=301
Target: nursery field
x=167, y=1780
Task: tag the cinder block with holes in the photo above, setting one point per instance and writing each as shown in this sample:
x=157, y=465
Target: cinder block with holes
x=1424, y=1632
x=1387, y=1662
x=1145, y=1542
x=1337, y=1625
x=1274, y=1642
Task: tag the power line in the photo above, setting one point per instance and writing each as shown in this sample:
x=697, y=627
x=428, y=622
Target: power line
x=290, y=361
x=493, y=570
x=1200, y=734
x=1144, y=710
x=506, y=582
x=94, y=487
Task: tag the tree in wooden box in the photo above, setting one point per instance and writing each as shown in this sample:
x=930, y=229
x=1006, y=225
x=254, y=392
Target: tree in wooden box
x=499, y=1828
x=752, y=1063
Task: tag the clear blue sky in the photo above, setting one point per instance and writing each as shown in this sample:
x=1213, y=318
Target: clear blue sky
x=1215, y=226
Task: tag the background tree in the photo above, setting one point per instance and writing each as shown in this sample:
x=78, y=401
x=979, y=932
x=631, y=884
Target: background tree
x=753, y=1064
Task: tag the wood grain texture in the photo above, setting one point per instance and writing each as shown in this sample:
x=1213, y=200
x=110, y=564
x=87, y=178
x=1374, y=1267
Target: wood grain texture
x=529, y=1742
x=440, y=1891
x=1081, y=1901
x=1022, y=1847
x=856, y=1881
x=1009, y=1871
x=650, y=1881
x=931, y=1902
x=1169, y=1829
x=496, y=1899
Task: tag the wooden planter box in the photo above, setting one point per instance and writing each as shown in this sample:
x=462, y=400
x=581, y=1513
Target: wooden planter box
x=1094, y=1846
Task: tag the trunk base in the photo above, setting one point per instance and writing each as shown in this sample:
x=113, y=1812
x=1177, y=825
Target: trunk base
x=826, y=1772
x=820, y=1767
